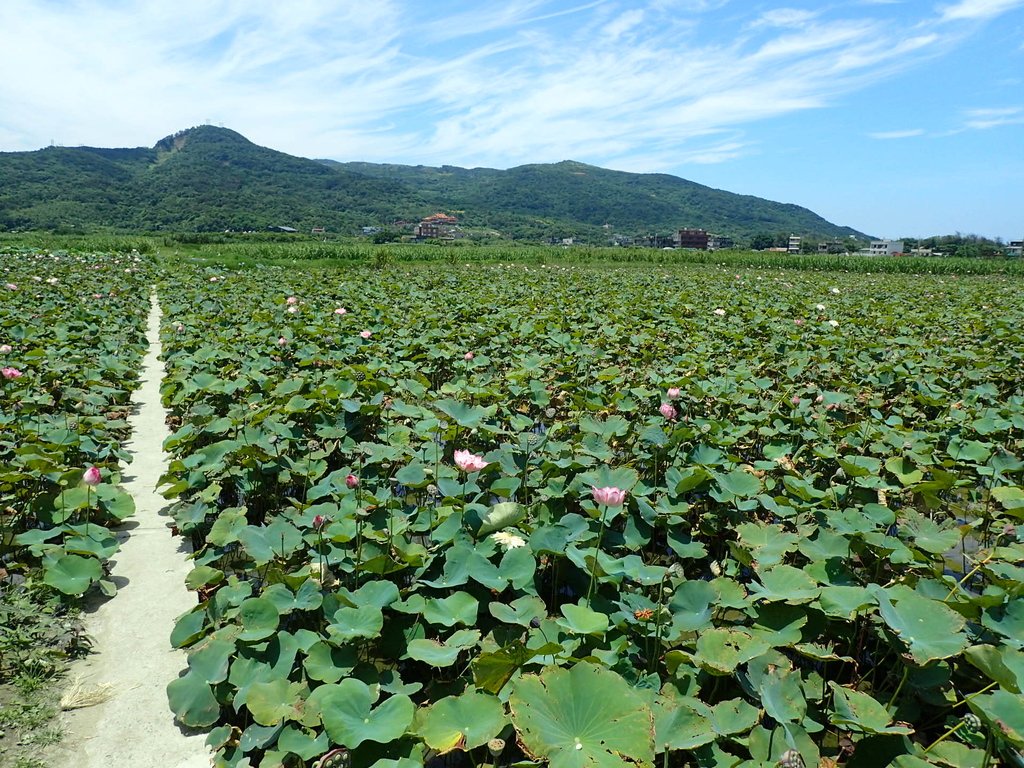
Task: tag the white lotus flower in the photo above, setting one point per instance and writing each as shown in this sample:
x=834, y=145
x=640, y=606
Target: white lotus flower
x=508, y=540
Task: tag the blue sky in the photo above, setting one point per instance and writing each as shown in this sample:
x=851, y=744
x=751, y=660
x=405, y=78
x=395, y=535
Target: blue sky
x=896, y=117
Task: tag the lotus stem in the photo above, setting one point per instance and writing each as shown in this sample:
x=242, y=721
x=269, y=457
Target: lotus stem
x=967, y=698
x=945, y=736
x=597, y=548
x=892, y=700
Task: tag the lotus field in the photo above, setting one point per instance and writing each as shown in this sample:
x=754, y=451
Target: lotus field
x=521, y=515
x=71, y=341
x=513, y=515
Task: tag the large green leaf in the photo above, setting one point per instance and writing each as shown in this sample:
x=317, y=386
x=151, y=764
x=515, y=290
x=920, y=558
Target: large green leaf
x=192, y=701
x=859, y=712
x=721, y=650
x=1003, y=713
x=583, y=717
x=930, y=629
x=260, y=618
x=72, y=574
x=350, y=718
x=461, y=722
x=501, y=515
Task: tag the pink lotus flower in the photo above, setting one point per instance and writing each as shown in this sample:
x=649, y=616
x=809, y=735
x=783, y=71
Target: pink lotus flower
x=799, y=321
x=795, y=400
x=319, y=522
x=352, y=481
x=720, y=312
x=10, y=373
x=97, y=295
x=179, y=328
x=365, y=334
x=610, y=496
x=292, y=300
x=213, y=279
x=5, y=349
x=282, y=342
x=469, y=462
x=468, y=356
x=819, y=399
x=341, y=311
x=668, y=411
x=11, y=286
x=673, y=393
x=91, y=476
x=293, y=309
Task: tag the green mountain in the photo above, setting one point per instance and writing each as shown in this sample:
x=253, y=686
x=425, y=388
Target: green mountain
x=209, y=179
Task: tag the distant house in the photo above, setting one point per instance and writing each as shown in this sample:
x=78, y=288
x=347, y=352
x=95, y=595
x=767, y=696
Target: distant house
x=794, y=244
x=1015, y=248
x=885, y=248
x=370, y=230
x=696, y=239
x=282, y=229
x=438, y=226
x=318, y=231
x=718, y=242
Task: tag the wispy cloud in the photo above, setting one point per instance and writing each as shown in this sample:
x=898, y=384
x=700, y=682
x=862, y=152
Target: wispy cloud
x=784, y=17
x=897, y=134
x=977, y=9
x=659, y=83
x=993, y=117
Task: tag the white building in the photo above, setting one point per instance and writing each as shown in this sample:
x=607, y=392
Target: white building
x=885, y=248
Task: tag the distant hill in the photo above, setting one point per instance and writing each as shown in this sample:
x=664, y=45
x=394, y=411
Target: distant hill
x=210, y=179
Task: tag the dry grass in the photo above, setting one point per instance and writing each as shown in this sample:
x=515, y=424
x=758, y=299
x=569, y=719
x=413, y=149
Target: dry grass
x=79, y=696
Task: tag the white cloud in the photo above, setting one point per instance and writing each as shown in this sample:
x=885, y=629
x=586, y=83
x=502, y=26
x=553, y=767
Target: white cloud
x=993, y=117
x=394, y=80
x=897, y=134
x=977, y=9
x=785, y=17
x=624, y=23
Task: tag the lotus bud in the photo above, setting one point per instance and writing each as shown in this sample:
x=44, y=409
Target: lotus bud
x=91, y=476
x=352, y=481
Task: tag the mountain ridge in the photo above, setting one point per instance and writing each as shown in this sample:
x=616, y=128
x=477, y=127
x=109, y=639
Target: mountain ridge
x=209, y=178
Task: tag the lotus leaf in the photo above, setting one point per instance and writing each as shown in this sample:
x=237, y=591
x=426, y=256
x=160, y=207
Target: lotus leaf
x=582, y=620
x=930, y=629
x=583, y=716
x=721, y=650
x=72, y=574
x=461, y=722
x=857, y=711
x=350, y=718
x=192, y=701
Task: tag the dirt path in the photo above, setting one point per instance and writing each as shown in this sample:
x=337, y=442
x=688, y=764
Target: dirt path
x=130, y=633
